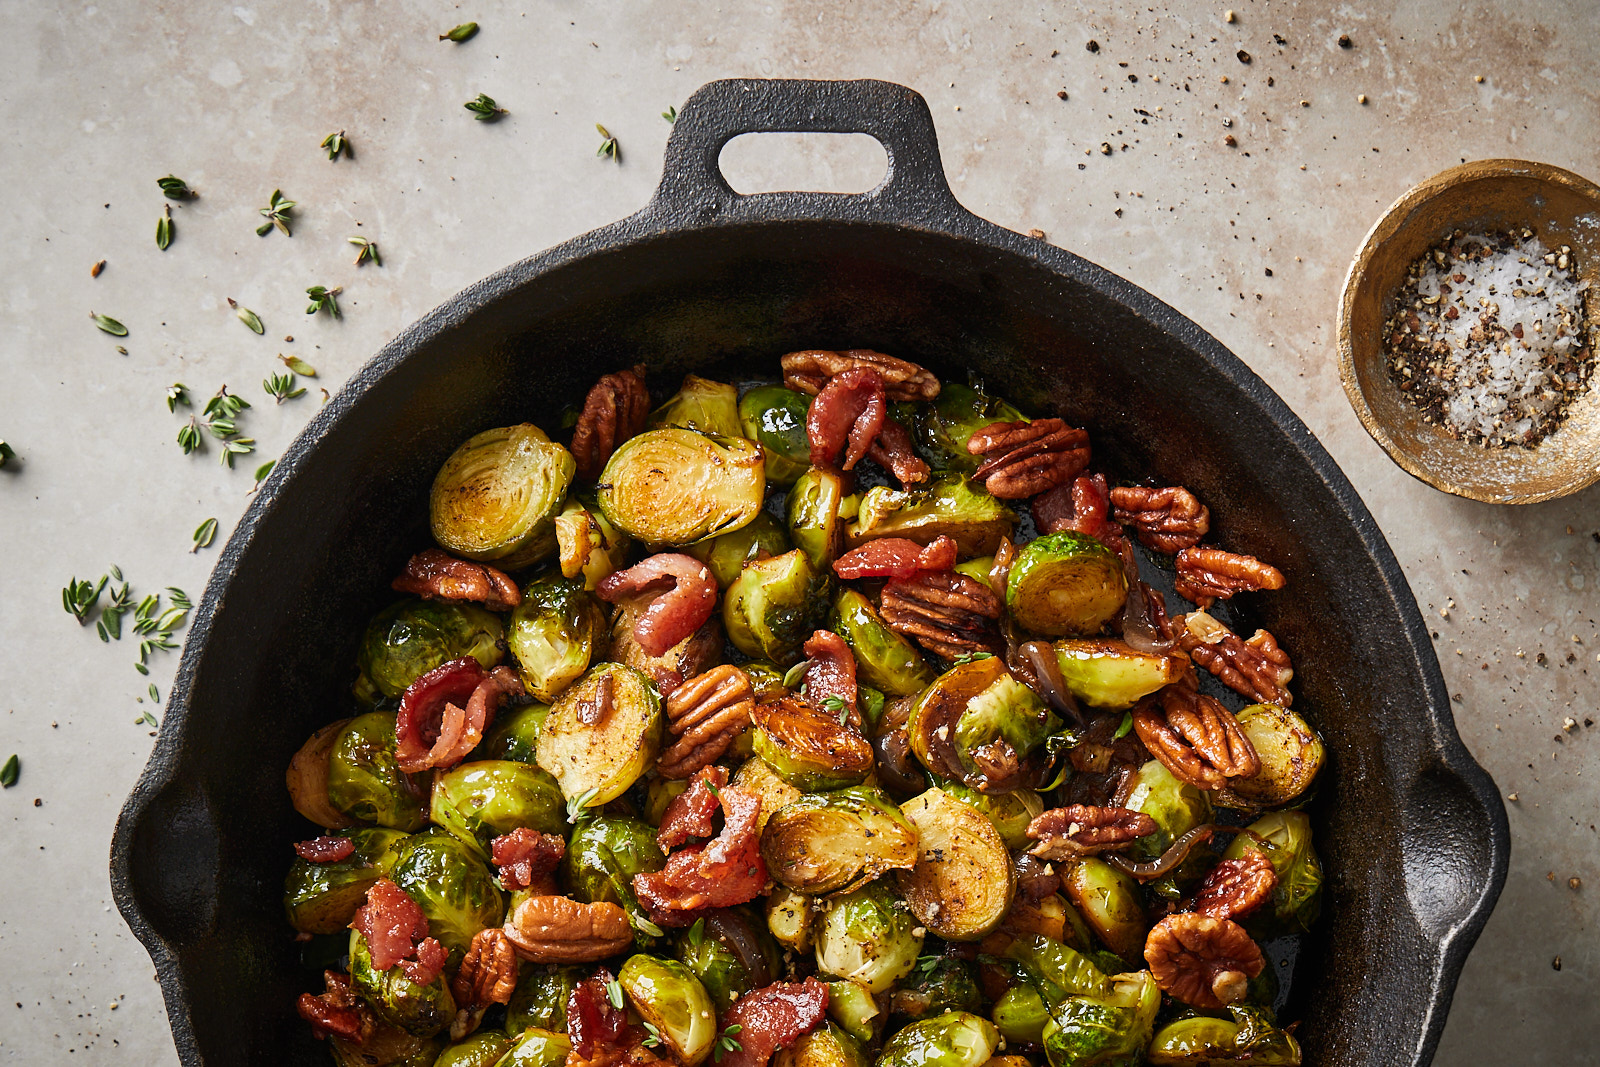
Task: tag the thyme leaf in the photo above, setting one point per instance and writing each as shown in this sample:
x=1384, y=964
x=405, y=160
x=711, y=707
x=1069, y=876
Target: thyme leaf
x=671, y=114
x=177, y=393
x=577, y=804
x=175, y=188
x=164, y=230
x=204, y=535
x=189, y=438
x=324, y=299
x=246, y=316
x=614, y=992
x=80, y=597
x=484, y=109
x=337, y=144
x=299, y=366
x=609, y=148
x=464, y=32
x=282, y=387
x=264, y=470
x=368, y=251
x=109, y=325
x=8, y=773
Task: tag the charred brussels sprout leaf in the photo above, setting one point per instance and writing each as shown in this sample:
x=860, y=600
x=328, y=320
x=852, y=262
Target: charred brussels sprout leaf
x=669, y=997
x=320, y=898
x=809, y=748
x=1009, y=812
x=954, y=1039
x=497, y=496
x=941, y=430
x=775, y=605
x=775, y=418
x=514, y=735
x=482, y=1049
x=1065, y=584
x=1055, y=969
x=827, y=1047
x=605, y=853
x=701, y=404
x=1110, y=902
x=396, y=999
x=537, y=1047
x=1106, y=673
x=939, y=984
x=1109, y=1030
x=852, y=1006
x=601, y=757
x=675, y=486
x=451, y=885
x=962, y=883
x=727, y=554
x=826, y=843
x=950, y=506
x=1291, y=754
x=812, y=510
x=366, y=783
x=540, y=999
x=480, y=801
x=790, y=919
x=884, y=660
x=868, y=937
x=587, y=545
x=1203, y=1041
x=412, y=637
x=554, y=633
x=1285, y=836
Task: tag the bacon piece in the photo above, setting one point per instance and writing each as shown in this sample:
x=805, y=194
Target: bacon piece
x=440, y=576
x=391, y=923
x=593, y=1022
x=892, y=451
x=527, y=859
x=850, y=410
x=668, y=595
x=337, y=1011
x=832, y=672
x=773, y=1017
x=1083, y=507
x=325, y=849
x=726, y=871
x=432, y=729
x=429, y=963
x=692, y=812
x=896, y=557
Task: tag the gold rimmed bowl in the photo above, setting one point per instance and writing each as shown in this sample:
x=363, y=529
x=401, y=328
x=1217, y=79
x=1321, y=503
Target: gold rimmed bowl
x=1484, y=196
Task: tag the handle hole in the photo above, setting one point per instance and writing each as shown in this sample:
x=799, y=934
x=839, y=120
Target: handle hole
x=809, y=162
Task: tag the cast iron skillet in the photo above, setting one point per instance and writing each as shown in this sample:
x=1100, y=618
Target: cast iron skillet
x=1411, y=830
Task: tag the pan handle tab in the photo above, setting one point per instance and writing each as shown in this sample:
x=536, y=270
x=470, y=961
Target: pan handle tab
x=693, y=190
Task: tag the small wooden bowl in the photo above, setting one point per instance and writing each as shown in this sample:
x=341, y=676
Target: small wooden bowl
x=1482, y=196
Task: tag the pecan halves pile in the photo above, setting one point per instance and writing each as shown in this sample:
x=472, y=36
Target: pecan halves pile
x=1167, y=520
x=1023, y=459
x=1084, y=830
x=1195, y=737
x=438, y=575
x=614, y=410
x=1257, y=669
x=488, y=975
x=1235, y=888
x=947, y=613
x=562, y=930
x=706, y=715
x=807, y=372
x=1205, y=962
x=1206, y=575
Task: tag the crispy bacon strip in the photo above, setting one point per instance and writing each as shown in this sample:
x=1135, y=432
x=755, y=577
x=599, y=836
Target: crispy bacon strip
x=433, y=729
x=325, y=849
x=1083, y=507
x=391, y=923
x=892, y=451
x=527, y=860
x=832, y=672
x=772, y=1018
x=850, y=410
x=669, y=596
x=337, y=1011
x=895, y=557
x=440, y=576
x=726, y=871
x=692, y=813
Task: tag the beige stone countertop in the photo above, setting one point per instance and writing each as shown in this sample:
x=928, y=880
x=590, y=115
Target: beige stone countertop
x=1250, y=241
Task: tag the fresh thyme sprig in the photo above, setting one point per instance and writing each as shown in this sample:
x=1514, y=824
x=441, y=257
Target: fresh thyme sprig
x=652, y=1036
x=109, y=324
x=614, y=992
x=277, y=214
x=281, y=387
x=177, y=393
x=337, y=144
x=324, y=299
x=79, y=597
x=220, y=412
x=6, y=453
x=577, y=804
x=204, y=535
x=837, y=706
x=246, y=316
x=970, y=657
x=164, y=230
x=156, y=627
x=726, y=1042
x=464, y=32
x=609, y=149
x=109, y=625
x=671, y=114
x=189, y=438
x=368, y=251
x=175, y=188
x=484, y=109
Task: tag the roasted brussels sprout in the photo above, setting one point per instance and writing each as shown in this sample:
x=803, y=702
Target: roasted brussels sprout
x=1056, y=969
x=790, y=919
x=1285, y=836
x=1176, y=806
x=1009, y=812
x=950, y=506
x=962, y=883
x=411, y=637
x=668, y=996
x=423, y=1010
x=540, y=999
x=1006, y=710
x=853, y=1007
x=963, y=725
x=941, y=430
x=1109, y=1030
x=1110, y=902
x=675, y=486
x=660, y=792
x=307, y=778
x=480, y=801
x=726, y=554
x=514, y=735
x=452, y=886
x=939, y=984
x=809, y=748
x=537, y=1047
x=320, y=898
x=388, y=1045
x=835, y=842
x=954, y=1039
x=482, y=1049
x=366, y=783
x=701, y=404
x=1106, y=673
x=1020, y=1014
x=868, y=936
x=1291, y=754
x=775, y=418
x=601, y=734
x=605, y=852
x=554, y=633
x=1065, y=585
x=755, y=775
x=587, y=545
x=730, y=952
x=496, y=497
x=1204, y=1041
x=884, y=660
x=812, y=509
x=775, y=605
x=827, y=1047
x=766, y=679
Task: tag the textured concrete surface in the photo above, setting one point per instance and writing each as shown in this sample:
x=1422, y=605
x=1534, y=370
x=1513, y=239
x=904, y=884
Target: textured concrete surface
x=1250, y=241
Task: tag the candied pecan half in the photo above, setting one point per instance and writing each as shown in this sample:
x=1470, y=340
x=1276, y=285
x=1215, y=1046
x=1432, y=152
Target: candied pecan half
x=807, y=372
x=1023, y=459
x=325, y=849
x=892, y=451
x=488, y=975
x=773, y=1017
x=896, y=557
x=337, y=1011
x=614, y=411
x=562, y=930
x=1206, y=575
x=1167, y=520
x=438, y=575
x=1257, y=668
x=1195, y=737
x=1235, y=888
x=850, y=410
x=668, y=596
x=727, y=870
x=527, y=859
x=947, y=613
x=692, y=813
x=706, y=715
x=1204, y=962
x=1084, y=830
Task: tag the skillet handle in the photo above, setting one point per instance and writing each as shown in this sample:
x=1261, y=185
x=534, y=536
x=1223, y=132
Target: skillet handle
x=693, y=190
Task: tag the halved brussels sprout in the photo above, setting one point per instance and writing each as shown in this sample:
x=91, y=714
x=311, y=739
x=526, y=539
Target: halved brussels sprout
x=496, y=497
x=482, y=1049
x=827, y=1047
x=1110, y=902
x=668, y=996
x=869, y=937
x=1020, y=1014
x=950, y=506
x=813, y=513
x=422, y=1010
x=479, y=801
x=941, y=430
x=451, y=885
x=724, y=951
x=554, y=634
x=826, y=843
x=775, y=605
x=410, y=638
x=604, y=854
x=365, y=781
x=1285, y=836
x=853, y=1007
x=962, y=883
x=388, y=1045
x=757, y=776
x=601, y=734
x=775, y=418
x=1009, y=812
x=884, y=660
x=1176, y=806
x=540, y=999
x=587, y=545
x=809, y=748
x=963, y=724
x=789, y=918
x=307, y=778
x=727, y=553
x=1106, y=673
x=939, y=984
x=1006, y=710
x=954, y=1039
x=766, y=679
x=941, y=706
x=1065, y=585
x=537, y=1047
x=701, y=404
x=660, y=792
x=1205, y=1041
x=514, y=735
x=675, y=486
x=1056, y=969
x=1102, y=1031
x=320, y=898
x=1291, y=754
